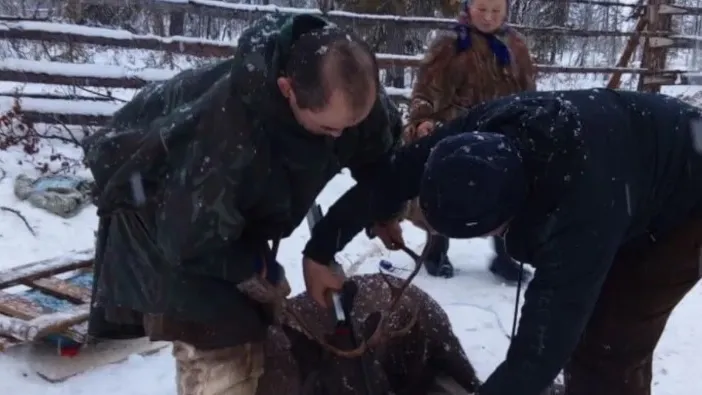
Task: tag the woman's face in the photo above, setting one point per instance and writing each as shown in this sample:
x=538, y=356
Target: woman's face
x=488, y=15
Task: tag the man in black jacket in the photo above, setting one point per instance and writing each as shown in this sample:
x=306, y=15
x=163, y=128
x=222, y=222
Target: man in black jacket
x=197, y=174
x=601, y=191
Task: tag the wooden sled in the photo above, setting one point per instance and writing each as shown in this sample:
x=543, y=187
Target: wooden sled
x=49, y=316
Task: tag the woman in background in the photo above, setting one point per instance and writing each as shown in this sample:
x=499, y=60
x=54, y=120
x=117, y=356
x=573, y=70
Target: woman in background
x=481, y=60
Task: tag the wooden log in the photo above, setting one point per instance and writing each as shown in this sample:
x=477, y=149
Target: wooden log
x=76, y=34
x=689, y=10
x=39, y=321
x=46, y=267
x=248, y=12
x=128, y=83
x=667, y=9
x=20, y=307
x=682, y=41
x=12, y=18
x=65, y=119
x=54, y=96
x=50, y=73
x=7, y=342
x=40, y=31
x=17, y=328
x=627, y=53
x=655, y=50
x=691, y=79
x=61, y=289
x=34, y=77
x=659, y=80
x=72, y=321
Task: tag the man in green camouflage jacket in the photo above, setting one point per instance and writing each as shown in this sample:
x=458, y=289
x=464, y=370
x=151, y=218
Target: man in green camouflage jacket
x=197, y=174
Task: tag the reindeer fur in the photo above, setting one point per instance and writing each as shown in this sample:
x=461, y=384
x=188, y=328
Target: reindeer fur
x=407, y=365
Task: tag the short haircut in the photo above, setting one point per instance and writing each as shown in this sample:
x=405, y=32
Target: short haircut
x=323, y=60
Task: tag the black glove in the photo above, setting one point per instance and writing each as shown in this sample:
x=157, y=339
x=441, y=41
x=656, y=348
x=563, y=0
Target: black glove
x=267, y=262
x=263, y=286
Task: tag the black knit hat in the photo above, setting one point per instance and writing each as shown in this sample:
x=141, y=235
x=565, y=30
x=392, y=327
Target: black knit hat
x=472, y=184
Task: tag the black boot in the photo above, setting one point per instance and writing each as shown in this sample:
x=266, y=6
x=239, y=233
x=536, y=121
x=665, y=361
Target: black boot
x=436, y=259
x=504, y=266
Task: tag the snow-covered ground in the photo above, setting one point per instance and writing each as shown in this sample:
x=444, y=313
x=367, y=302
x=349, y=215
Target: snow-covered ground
x=480, y=308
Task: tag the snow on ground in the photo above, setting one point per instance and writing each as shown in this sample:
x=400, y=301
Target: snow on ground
x=54, y=235
x=480, y=309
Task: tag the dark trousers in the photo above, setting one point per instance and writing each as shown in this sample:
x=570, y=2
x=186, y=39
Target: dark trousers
x=647, y=280
x=498, y=244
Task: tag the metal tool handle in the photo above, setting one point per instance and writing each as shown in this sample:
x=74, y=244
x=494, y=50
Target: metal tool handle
x=338, y=308
x=313, y=216
x=336, y=297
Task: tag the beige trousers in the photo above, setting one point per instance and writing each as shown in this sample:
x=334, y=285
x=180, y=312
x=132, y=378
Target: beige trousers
x=224, y=371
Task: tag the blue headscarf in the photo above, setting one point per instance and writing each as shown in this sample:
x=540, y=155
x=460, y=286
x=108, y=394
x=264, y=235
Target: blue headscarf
x=497, y=40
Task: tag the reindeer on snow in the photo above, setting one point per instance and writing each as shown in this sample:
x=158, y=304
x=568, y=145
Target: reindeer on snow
x=408, y=345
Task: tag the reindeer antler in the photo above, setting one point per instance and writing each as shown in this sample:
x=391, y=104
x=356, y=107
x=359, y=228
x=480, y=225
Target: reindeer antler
x=356, y=352
x=381, y=331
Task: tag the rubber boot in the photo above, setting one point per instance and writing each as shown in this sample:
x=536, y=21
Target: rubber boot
x=504, y=266
x=436, y=259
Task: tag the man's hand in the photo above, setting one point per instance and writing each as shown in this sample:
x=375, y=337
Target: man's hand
x=321, y=281
x=424, y=129
x=414, y=132
x=390, y=233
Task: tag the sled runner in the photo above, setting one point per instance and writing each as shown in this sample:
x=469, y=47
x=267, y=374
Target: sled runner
x=45, y=305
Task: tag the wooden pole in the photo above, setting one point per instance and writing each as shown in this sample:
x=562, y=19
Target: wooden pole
x=656, y=48
x=616, y=78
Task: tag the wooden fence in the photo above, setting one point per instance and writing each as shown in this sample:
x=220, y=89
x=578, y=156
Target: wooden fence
x=653, y=20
